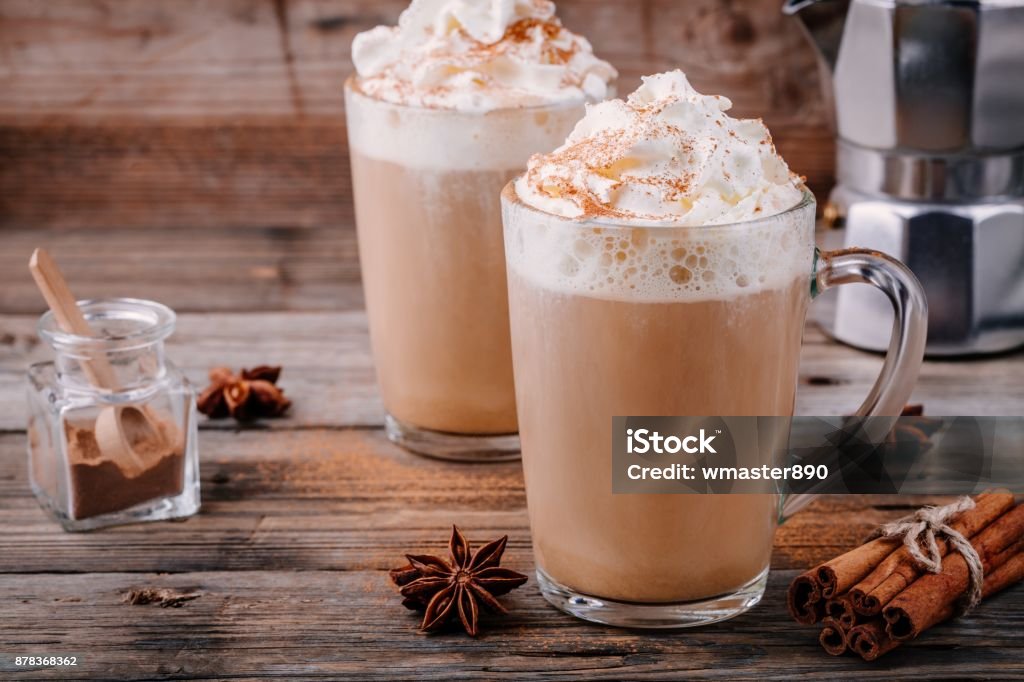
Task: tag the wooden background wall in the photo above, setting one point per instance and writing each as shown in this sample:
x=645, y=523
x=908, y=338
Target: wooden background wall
x=227, y=113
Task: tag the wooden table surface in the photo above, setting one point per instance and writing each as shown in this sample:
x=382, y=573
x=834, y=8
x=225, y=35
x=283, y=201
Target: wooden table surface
x=303, y=516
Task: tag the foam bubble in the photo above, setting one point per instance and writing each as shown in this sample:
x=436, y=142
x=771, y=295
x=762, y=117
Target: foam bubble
x=658, y=263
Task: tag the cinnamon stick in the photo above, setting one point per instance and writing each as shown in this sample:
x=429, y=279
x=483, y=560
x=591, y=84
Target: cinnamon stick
x=804, y=598
x=926, y=601
x=840, y=610
x=870, y=640
x=1007, y=575
x=845, y=571
x=833, y=637
x=809, y=591
x=899, y=569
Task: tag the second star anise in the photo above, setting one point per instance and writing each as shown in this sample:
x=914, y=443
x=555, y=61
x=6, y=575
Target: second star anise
x=251, y=395
x=457, y=588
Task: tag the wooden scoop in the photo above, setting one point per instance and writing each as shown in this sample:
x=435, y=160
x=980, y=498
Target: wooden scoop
x=120, y=430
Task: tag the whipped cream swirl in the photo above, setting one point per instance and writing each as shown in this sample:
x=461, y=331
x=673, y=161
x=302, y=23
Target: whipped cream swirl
x=666, y=155
x=479, y=55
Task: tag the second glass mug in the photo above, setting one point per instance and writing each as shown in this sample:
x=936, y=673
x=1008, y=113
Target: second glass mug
x=613, y=319
x=426, y=184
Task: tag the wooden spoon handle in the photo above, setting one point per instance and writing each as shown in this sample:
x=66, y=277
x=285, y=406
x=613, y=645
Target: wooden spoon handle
x=69, y=316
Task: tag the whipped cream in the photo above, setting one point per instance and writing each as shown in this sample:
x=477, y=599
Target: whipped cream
x=666, y=155
x=479, y=55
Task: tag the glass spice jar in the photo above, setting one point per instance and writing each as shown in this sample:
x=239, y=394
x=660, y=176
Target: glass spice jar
x=123, y=452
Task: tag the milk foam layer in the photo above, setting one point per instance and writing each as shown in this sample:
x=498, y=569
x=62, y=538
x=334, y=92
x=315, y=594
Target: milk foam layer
x=479, y=55
x=433, y=139
x=666, y=155
x=656, y=263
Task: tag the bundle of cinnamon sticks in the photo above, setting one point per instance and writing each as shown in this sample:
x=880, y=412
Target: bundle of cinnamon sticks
x=877, y=596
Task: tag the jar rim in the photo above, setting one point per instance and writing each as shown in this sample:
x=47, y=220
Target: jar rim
x=155, y=323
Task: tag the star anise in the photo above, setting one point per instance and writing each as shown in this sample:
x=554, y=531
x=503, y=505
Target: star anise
x=914, y=430
x=470, y=580
x=251, y=395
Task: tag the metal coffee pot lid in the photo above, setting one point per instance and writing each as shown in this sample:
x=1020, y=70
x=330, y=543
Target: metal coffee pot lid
x=928, y=95
x=937, y=77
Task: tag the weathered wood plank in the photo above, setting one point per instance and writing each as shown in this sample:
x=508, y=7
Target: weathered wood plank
x=343, y=499
x=145, y=58
x=292, y=500
x=193, y=174
x=166, y=114
x=329, y=370
x=292, y=173
x=349, y=624
x=253, y=58
x=190, y=268
x=290, y=552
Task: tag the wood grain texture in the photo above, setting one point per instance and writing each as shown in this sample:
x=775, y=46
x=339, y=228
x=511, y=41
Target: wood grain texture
x=303, y=516
x=191, y=269
x=347, y=624
x=327, y=499
x=176, y=114
x=290, y=554
x=211, y=175
x=185, y=59
x=329, y=370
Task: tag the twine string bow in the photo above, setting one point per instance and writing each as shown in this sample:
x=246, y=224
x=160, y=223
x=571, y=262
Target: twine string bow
x=920, y=529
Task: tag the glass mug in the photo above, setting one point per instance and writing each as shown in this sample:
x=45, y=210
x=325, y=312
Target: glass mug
x=625, y=319
x=426, y=183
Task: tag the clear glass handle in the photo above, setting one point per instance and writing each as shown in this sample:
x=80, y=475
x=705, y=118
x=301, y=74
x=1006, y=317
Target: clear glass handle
x=895, y=383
